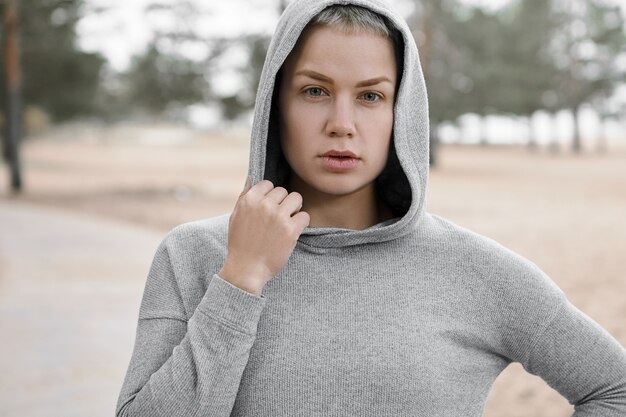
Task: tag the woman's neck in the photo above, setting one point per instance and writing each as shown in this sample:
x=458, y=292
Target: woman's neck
x=358, y=210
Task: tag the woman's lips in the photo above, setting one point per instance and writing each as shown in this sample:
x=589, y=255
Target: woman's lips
x=336, y=153
x=339, y=160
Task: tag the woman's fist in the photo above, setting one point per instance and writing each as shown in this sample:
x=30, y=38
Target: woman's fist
x=263, y=230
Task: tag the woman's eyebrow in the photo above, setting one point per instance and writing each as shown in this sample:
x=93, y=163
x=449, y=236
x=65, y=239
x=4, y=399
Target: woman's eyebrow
x=321, y=77
x=373, y=81
x=315, y=75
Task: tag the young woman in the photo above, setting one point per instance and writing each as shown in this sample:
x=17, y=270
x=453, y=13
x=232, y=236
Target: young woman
x=329, y=290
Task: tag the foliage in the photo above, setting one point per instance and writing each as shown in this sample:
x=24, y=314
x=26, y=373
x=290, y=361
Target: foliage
x=530, y=55
x=531, y=70
x=157, y=80
x=591, y=36
x=234, y=105
x=438, y=32
x=56, y=75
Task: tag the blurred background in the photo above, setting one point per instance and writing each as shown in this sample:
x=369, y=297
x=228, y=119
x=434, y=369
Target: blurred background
x=123, y=119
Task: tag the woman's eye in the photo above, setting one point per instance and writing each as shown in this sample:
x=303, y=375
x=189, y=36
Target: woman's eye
x=315, y=91
x=371, y=97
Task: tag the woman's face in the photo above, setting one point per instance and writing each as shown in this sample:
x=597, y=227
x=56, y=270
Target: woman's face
x=336, y=103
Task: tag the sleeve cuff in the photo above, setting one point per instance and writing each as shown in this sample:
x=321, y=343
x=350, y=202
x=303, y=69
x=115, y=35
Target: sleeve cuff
x=229, y=303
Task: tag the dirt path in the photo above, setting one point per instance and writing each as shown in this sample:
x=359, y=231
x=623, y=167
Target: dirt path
x=565, y=213
x=69, y=299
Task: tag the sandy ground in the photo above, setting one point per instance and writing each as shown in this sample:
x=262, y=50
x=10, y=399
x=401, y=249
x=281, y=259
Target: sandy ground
x=566, y=213
x=67, y=311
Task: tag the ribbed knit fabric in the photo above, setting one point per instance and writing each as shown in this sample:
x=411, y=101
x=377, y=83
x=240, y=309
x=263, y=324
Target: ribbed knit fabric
x=412, y=317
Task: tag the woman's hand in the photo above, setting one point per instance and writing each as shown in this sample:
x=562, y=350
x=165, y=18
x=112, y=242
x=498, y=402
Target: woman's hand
x=263, y=230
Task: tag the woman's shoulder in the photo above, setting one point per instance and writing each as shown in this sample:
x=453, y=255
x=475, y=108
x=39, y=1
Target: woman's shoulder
x=514, y=292
x=486, y=259
x=182, y=266
x=198, y=245
x=211, y=230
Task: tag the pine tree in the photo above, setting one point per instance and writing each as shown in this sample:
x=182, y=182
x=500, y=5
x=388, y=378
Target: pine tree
x=56, y=75
x=592, y=36
x=157, y=80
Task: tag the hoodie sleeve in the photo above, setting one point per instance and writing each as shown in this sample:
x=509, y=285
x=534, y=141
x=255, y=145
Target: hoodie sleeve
x=582, y=361
x=188, y=367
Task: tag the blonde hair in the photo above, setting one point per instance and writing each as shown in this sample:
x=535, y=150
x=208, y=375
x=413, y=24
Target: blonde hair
x=353, y=19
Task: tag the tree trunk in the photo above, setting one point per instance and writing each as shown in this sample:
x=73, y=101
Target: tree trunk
x=434, y=143
x=576, y=145
x=12, y=99
x=532, y=135
x=603, y=136
x=554, y=142
x=484, y=141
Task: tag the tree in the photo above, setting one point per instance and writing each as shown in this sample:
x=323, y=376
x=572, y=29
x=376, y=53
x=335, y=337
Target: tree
x=12, y=96
x=435, y=27
x=530, y=70
x=56, y=75
x=484, y=46
x=157, y=80
x=585, y=50
x=175, y=69
x=250, y=74
x=243, y=100
x=530, y=55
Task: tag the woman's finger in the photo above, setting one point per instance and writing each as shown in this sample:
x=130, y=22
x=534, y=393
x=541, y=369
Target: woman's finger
x=277, y=195
x=302, y=220
x=291, y=204
x=259, y=190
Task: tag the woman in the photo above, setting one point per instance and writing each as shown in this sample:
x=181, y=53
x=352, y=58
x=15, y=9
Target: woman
x=330, y=290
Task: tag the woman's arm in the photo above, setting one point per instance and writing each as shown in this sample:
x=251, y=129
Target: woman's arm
x=554, y=340
x=193, y=367
x=580, y=360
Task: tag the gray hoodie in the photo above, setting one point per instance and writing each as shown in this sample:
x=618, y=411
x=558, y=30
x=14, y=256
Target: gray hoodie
x=411, y=317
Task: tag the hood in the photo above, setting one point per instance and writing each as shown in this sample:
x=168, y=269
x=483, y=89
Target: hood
x=403, y=182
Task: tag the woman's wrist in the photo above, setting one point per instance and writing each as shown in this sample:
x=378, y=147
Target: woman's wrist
x=242, y=279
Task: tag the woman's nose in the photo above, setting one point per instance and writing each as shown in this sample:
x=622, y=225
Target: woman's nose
x=341, y=121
